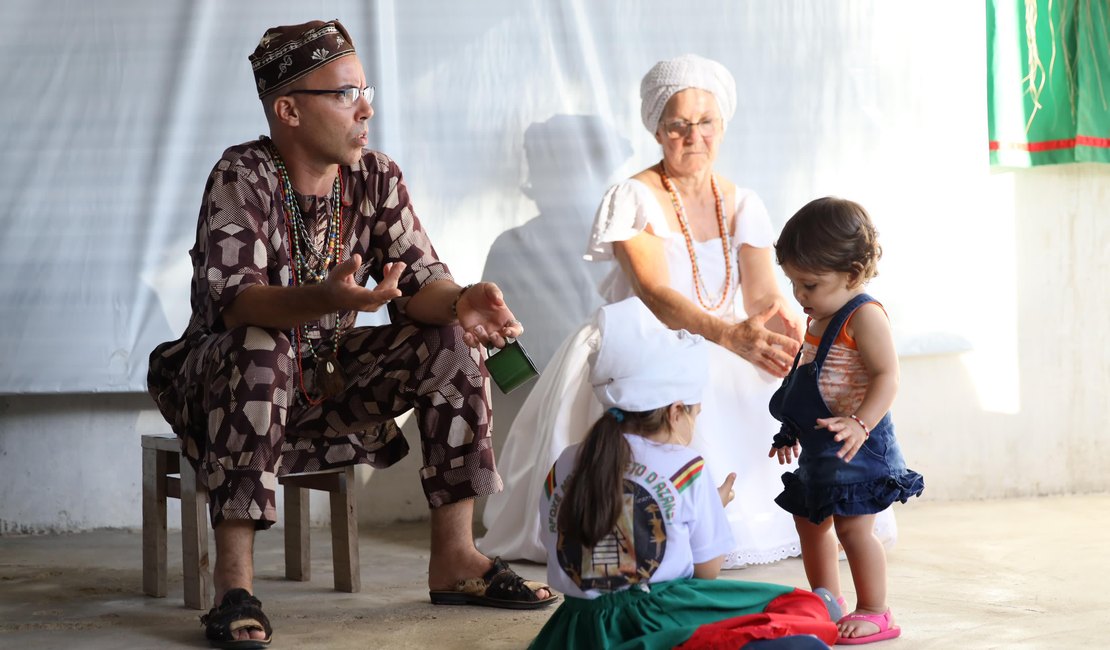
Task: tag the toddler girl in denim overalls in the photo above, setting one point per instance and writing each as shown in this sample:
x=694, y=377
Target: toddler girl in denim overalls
x=834, y=408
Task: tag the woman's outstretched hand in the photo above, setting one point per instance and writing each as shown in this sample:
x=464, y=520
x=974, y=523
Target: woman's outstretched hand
x=765, y=348
x=484, y=316
x=786, y=321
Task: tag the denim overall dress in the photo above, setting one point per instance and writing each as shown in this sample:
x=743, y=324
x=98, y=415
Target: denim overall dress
x=824, y=484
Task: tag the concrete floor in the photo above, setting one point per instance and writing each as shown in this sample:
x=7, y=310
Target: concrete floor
x=1023, y=573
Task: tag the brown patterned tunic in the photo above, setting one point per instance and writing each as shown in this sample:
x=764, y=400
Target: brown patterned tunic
x=236, y=397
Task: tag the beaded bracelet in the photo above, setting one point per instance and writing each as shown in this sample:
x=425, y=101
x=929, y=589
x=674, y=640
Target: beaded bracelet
x=866, y=431
x=455, y=303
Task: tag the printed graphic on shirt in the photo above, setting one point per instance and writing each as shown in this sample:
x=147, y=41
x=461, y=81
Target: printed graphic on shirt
x=627, y=556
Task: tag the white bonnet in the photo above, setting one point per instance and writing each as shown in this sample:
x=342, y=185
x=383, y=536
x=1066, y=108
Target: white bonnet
x=641, y=365
x=687, y=71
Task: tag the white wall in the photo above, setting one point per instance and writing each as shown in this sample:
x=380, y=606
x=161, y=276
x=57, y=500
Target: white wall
x=1025, y=412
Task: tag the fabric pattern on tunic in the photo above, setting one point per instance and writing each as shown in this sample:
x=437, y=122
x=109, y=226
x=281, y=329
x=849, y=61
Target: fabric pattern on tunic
x=229, y=394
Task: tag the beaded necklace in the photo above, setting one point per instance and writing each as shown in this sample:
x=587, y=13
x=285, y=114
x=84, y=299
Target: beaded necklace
x=680, y=212
x=311, y=268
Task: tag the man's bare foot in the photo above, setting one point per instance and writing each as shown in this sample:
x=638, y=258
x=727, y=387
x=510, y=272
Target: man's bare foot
x=445, y=573
x=253, y=633
x=242, y=634
x=237, y=617
x=234, y=567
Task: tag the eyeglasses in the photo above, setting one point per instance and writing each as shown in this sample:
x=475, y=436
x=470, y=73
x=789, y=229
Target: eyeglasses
x=347, y=96
x=681, y=128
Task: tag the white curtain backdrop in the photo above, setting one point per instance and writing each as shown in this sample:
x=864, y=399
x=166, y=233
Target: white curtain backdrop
x=508, y=117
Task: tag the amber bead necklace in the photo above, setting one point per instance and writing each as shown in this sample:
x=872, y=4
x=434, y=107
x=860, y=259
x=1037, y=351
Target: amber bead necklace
x=705, y=298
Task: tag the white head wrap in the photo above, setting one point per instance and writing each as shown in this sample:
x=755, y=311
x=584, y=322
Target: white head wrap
x=640, y=365
x=687, y=71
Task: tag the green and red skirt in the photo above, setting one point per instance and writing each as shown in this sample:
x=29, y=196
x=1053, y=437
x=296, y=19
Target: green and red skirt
x=688, y=613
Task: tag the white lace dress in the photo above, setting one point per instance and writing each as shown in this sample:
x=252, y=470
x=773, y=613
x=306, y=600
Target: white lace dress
x=734, y=429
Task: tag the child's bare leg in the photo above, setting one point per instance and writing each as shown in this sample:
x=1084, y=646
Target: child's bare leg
x=867, y=559
x=819, y=555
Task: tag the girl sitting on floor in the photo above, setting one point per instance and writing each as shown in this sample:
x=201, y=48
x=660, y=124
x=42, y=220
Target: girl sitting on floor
x=635, y=532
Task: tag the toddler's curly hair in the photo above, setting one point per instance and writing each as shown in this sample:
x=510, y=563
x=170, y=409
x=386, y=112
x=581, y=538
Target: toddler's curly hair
x=831, y=234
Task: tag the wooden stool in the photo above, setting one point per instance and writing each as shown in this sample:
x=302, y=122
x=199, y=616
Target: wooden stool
x=162, y=459
x=339, y=483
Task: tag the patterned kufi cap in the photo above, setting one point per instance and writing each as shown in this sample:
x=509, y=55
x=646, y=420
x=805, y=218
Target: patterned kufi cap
x=287, y=53
x=687, y=71
x=640, y=364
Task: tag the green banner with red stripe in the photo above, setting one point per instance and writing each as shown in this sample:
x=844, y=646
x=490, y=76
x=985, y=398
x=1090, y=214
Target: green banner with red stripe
x=1048, y=81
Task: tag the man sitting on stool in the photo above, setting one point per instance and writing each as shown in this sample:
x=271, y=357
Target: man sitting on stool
x=272, y=377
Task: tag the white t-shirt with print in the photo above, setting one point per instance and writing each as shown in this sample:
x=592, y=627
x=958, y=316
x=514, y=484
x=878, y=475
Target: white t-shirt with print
x=672, y=519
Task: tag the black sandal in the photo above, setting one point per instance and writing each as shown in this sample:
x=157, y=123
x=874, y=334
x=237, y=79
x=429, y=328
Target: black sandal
x=237, y=611
x=499, y=587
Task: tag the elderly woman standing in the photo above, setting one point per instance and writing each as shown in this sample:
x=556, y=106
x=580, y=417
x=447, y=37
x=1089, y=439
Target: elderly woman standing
x=692, y=246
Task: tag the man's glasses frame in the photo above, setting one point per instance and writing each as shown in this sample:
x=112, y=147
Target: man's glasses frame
x=347, y=96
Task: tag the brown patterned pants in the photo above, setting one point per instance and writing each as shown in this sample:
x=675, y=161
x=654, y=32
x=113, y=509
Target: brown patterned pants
x=237, y=399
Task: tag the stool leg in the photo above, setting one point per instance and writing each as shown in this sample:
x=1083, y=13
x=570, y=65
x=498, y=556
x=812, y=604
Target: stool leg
x=194, y=540
x=344, y=534
x=297, y=543
x=154, y=523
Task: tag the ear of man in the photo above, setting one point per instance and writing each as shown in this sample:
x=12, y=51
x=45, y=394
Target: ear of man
x=285, y=110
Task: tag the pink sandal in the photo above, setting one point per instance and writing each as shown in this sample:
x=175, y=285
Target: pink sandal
x=882, y=621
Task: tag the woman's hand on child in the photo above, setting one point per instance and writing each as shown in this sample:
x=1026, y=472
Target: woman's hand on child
x=766, y=349
x=726, y=492
x=786, y=322
x=786, y=454
x=848, y=431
